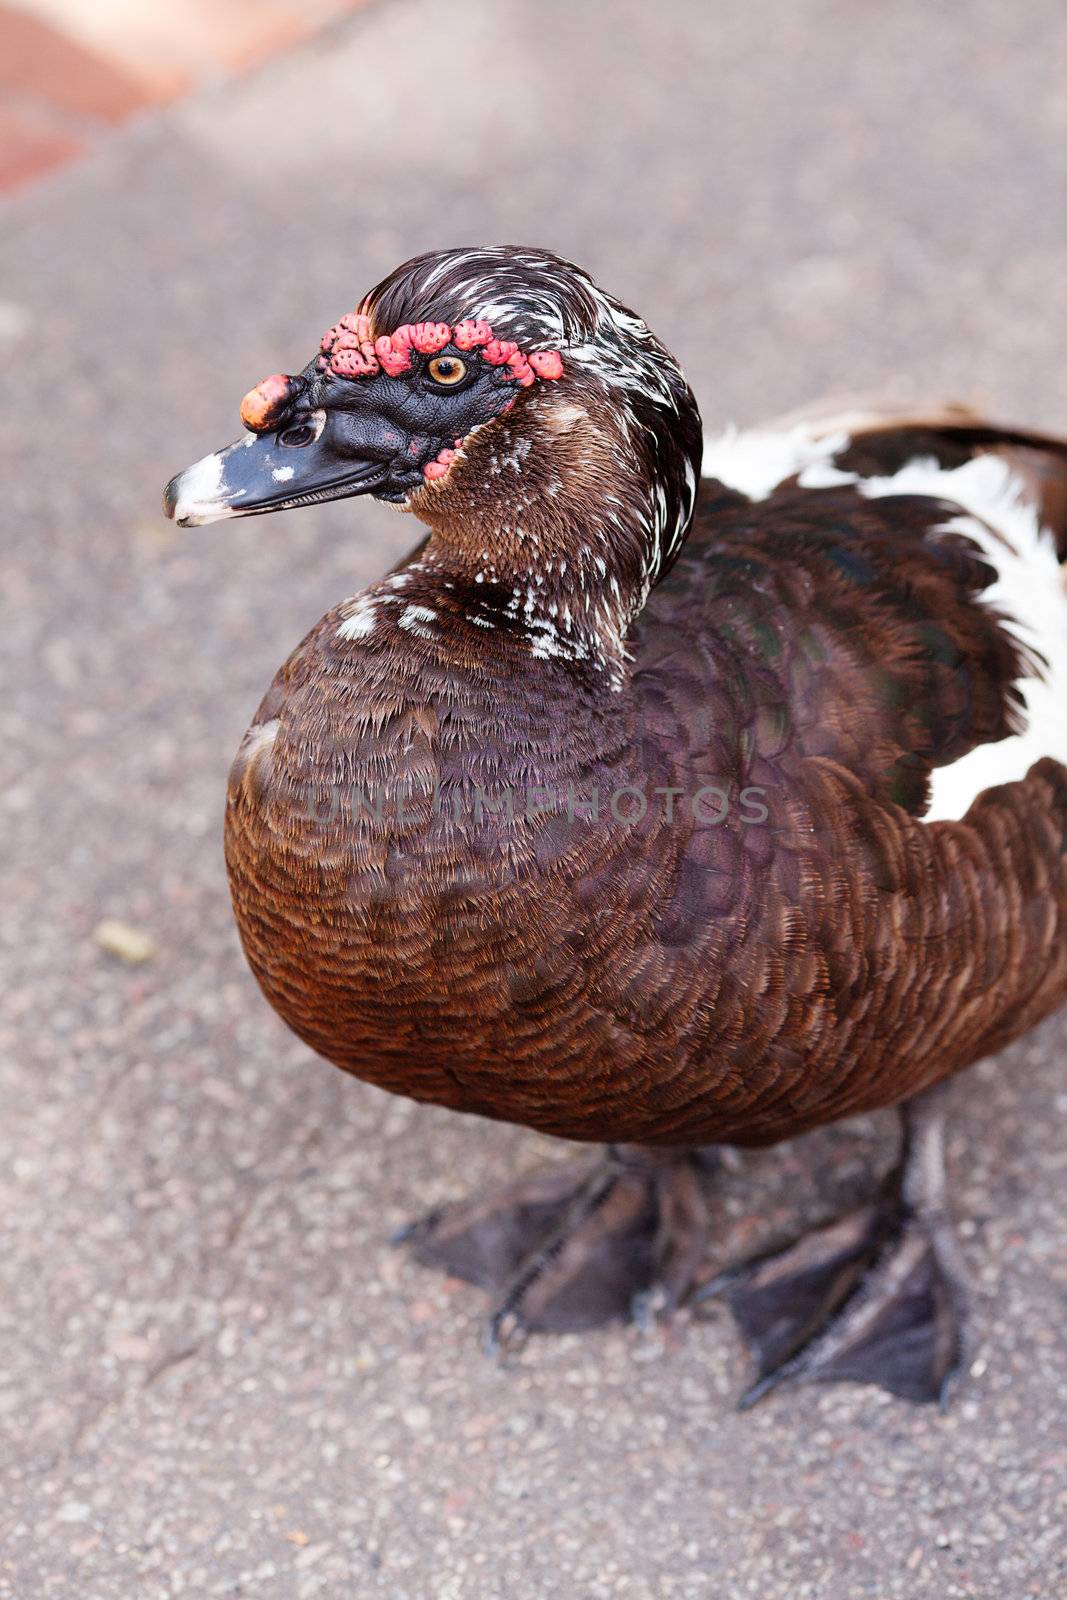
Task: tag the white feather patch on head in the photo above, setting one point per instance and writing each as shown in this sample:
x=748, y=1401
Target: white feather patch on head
x=1030, y=591
x=754, y=461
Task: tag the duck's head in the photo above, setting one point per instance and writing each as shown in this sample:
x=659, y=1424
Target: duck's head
x=498, y=394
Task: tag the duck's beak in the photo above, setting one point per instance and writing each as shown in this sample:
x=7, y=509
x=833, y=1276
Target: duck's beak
x=263, y=472
x=291, y=458
x=214, y=487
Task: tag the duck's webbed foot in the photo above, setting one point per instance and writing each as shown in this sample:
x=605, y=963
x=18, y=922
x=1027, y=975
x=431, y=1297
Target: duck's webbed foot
x=577, y=1244
x=876, y=1297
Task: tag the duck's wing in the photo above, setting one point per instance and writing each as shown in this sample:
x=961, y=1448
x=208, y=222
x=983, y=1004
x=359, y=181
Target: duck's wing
x=881, y=588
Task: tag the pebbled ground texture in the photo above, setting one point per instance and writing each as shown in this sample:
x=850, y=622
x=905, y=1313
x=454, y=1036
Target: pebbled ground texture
x=216, y=1378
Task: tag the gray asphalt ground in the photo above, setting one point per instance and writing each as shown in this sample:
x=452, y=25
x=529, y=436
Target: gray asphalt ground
x=215, y=1376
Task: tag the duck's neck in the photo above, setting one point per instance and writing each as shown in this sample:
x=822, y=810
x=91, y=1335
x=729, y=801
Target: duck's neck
x=555, y=546
x=560, y=607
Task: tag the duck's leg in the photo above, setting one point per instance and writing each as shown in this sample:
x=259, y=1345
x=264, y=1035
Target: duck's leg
x=572, y=1246
x=876, y=1297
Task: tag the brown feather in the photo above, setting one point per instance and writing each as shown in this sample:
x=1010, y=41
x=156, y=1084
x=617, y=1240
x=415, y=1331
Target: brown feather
x=672, y=982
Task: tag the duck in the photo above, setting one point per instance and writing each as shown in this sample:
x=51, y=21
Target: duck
x=674, y=794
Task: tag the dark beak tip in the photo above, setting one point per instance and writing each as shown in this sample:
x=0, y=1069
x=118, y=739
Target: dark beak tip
x=170, y=497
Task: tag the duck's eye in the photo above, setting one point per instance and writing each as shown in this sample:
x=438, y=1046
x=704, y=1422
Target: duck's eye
x=448, y=370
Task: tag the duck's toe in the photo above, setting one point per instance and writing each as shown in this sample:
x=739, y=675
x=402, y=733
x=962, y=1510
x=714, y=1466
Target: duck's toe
x=856, y=1301
x=578, y=1244
x=878, y=1296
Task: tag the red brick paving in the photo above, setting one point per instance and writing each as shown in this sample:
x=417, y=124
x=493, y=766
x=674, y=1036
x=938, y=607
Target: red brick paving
x=37, y=61
x=69, y=70
x=31, y=145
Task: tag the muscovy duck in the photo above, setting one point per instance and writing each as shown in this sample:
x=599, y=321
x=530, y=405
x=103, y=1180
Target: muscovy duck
x=653, y=812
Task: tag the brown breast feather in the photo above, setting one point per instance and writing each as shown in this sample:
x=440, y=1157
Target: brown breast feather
x=670, y=982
